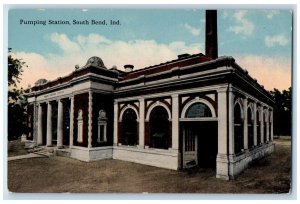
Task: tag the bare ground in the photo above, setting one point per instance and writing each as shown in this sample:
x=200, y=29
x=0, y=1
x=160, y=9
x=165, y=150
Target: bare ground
x=60, y=174
x=16, y=148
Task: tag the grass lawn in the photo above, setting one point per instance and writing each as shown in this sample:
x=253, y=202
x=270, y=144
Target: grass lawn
x=60, y=174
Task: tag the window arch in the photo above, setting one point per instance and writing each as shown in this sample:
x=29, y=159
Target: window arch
x=201, y=105
x=159, y=128
x=128, y=107
x=198, y=110
x=238, y=129
x=158, y=104
x=129, y=127
x=250, y=120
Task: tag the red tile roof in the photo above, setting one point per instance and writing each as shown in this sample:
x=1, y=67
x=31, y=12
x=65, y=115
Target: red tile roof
x=181, y=62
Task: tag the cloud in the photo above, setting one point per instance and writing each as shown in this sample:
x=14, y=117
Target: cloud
x=224, y=14
x=243, y=26
x=64, y=42
x=38, y=67
x=280, y=39
x=269, y=72
x=194, y=31
x=140, y=53
x=270, y=14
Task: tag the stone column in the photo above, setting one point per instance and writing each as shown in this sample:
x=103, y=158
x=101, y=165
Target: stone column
x=142, y=123
x=60, y=124
x=261, y=124
x=72, y=121
x=116, y=120
x=268, y=126
x=225, y=135
x=90, y=119
x=49, y=124
x=245, y=123
x=230, y=122
x=40, y=125
x=271, y=123
x=34, y=122
x=30, y=119
x=175, y=122
x=255, y=124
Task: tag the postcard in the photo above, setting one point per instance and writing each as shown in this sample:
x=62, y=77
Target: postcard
x=149, y=100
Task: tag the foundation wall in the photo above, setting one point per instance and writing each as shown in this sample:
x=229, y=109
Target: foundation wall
x=153, y=157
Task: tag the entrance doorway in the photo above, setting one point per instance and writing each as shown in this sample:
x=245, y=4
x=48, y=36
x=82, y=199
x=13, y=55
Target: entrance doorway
x=200, y=144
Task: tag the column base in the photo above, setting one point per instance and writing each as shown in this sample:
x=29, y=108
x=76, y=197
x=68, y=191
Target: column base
x=222, y=167
x=223, y=177
x=60, y=147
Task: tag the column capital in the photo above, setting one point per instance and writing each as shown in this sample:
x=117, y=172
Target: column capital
x=61, y=99
x=223, y=89
x=39, y=104
x=50, y=102
x=174, y=95
x=141, y=99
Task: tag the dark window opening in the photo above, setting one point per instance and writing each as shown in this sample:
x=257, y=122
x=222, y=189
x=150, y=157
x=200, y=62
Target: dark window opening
x=159, y=128
x=238, y=130
x=258, y=133
x=250, y=129
x=129, y=125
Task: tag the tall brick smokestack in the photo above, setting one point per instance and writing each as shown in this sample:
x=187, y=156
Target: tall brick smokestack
x=211, y=34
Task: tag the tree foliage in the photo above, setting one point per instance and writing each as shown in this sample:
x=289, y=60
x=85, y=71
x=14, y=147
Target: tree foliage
x=16, y=98
x=282, y=111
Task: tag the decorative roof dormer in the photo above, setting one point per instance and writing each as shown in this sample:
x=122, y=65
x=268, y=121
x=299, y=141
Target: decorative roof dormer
x=95, y=62
x=40, y=82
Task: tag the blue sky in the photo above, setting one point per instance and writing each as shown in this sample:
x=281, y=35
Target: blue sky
x=259, y=40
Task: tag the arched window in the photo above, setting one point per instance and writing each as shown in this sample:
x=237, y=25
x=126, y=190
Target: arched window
x=129, y=127
x=258, y=126
x=250, y=128
x=198, y=110
x=238, y=129
x=159, y=128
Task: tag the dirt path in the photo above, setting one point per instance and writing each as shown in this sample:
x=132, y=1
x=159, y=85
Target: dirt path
x=59, y=174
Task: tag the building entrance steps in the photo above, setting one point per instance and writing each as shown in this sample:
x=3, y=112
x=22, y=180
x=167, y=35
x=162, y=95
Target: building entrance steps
x=63, y=152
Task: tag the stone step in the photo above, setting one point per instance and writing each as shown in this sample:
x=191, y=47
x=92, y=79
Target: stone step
x=29, y=144
x=63, y=152
x=43, y=151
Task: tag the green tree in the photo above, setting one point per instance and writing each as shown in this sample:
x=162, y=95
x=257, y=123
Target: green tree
x=16, y=98
x=282, y=111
